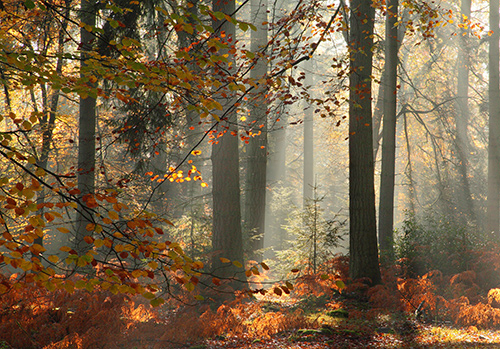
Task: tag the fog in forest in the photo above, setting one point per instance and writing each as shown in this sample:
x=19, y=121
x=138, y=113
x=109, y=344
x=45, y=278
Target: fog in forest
x=209, y=146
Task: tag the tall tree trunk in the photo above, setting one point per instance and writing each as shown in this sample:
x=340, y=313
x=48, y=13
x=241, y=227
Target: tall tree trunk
x=493, y=213
x=49, y=118
x=86, y=136
x=276, y=175
x=255, y=198
x=466, y=203
x=308, y=181
x=412, y=193
x=226, y=231
x=363, y=248
x=386, y=204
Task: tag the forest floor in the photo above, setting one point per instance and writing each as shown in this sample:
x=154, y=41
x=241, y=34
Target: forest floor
x=337, y=329
x=408, y=335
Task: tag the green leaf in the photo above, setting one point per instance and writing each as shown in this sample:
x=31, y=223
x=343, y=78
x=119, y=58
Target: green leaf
x=29, y=4
x=340, y=284
x=243, y=26
x=189, y=286
x=219, y=15
x=148, y=295
x=157, y=302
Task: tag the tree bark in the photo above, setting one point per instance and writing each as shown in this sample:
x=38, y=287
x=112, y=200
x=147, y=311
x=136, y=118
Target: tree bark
x=255, y=199
x=48, y=123
x=466, y=203
x=386, y=203
x=493, y=202
x=363, y=248
x=226, y=231
x=308, y=182
x=86, y=136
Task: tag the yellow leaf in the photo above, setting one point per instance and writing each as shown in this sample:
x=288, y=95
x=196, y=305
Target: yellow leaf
x=81, y=262
x=65, y=249
x=153, y=265
x=90, y=227
x=25, y=265
x=16, y=254
x=224, y=260
x=189, y=286
x=237, y=264
x=63, y=230
x=113, y=215
x=53, y=258
x=137, y=273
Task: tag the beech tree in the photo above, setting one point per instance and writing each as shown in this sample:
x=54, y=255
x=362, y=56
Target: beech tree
x=255, y=193
x=363, y=250
x=493, y=213
x=87, y=127
x=226, y=231
x=463, y=116
x=386, y=206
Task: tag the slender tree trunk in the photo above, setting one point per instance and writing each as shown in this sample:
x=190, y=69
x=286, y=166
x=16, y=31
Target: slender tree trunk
x=275, y=237
x=412, y=193
x=308, y=182
x=226, y=231
x=86, y=136
x=363, y=248
x=255, y=198
x=493, y=213
x=466, y=203
x=386, y=204
x=48, y=124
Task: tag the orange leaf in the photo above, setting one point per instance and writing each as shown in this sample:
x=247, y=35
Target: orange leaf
x=88, y=239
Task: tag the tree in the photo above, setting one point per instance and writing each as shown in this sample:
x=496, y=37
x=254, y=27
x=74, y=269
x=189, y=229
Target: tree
x=308, y=181
x=226, y=231
x=87, y=127
x=493, y=212
x=363, y=248
x=255, y=196
x=462, y=143
x=386, y=204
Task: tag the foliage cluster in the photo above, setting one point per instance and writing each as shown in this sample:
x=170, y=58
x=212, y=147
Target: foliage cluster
x=32, y=317
x=436, y=243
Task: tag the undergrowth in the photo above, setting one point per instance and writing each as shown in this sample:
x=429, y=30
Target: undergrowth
x=32, y=317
